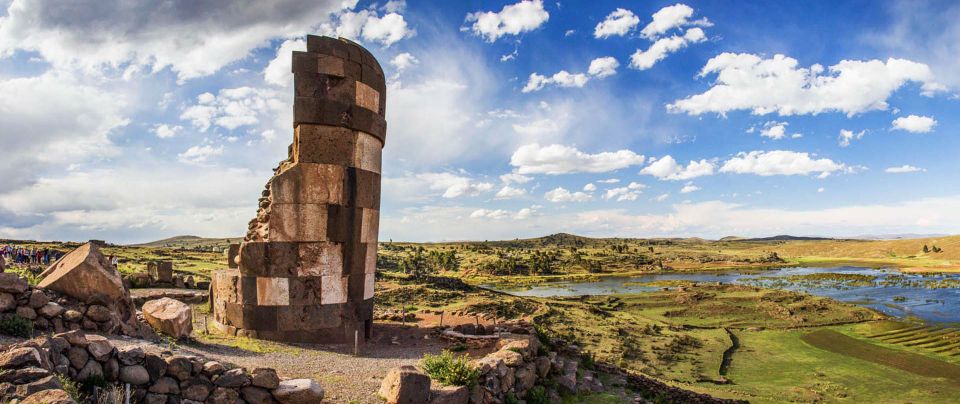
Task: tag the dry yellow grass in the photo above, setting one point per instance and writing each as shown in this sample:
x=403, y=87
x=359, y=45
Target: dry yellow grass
x=906, y=254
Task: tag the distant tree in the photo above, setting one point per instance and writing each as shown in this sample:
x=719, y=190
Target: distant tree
x=926, y=249
x=414, y=263
x=937, y=249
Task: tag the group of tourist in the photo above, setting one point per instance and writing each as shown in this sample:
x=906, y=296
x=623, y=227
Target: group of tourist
x=28, y=255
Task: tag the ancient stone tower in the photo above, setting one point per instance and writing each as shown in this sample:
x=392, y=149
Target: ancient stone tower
x=305, y=270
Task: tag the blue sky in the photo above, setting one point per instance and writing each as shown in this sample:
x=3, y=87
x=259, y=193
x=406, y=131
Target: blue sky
x=132, y=122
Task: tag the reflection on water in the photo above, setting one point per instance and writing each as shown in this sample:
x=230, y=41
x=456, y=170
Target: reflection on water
x=931, y=297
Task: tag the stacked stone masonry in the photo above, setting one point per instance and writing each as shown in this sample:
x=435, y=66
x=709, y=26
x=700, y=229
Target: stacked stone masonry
x=305, y=271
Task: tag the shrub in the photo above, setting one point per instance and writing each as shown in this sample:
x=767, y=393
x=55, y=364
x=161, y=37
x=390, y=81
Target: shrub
x=450, y=369
x=538, y=395
x=17, y=326
x=71, y=387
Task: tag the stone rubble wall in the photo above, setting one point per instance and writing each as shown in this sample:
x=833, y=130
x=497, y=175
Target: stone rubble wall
x=52, y=311
x=30, y=369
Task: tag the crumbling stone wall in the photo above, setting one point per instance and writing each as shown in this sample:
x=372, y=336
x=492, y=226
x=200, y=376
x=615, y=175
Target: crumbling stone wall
x=305, y=270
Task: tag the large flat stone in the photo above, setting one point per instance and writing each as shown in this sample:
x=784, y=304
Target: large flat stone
x=309, y=183
x=324, y=144
x=298, y=222
x=273, y=291
x=367, y=97
x=320, y=259
x=334, y=289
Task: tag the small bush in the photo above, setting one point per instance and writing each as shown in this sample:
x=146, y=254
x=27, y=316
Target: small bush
x=16, y=326
x=538, y=395
x=450, y=369
x=71, y=387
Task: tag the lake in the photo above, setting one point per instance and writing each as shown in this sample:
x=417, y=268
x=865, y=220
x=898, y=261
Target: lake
x=933, y=298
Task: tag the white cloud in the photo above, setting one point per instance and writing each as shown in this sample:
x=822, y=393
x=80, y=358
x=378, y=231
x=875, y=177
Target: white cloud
x=560, y=159
x=513, y=19
x=561, y=194
x=279, y=71
x=670, y=17
x=422, y=187
x=847, y=136
x=386, y=30
x=508, y=192
x=454, y=186
x=906, y=168
x=200, y=154
x=628, y=193
x=404, y=61
x=643, y=60
x=590, y=187
x=688, y=188
x=609, y=181
x=236, y=107
x=165, y=131
x=562, y=78
x=603, y=67
x=139, y=35
x=666, y=168
x=820, y=190
x=619, y=22
x=661, y=197
x=514, y=178
x=780, y=162
x=777, y=85
x=489, y=214
x=914, y=124
x=537, y=128
x=776, y=130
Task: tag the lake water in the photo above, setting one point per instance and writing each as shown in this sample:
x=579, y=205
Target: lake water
x=886, y=290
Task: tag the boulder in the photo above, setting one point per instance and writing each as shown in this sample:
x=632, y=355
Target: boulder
x=47, y=383
x=213, y=368
x=77, y=356
x=130, y=355
x=50, y=310
x=26, y=312
x=169, y=316
x=224, y=395
x=179, y=367
x=99, y=347
x=257, y=395
x=450, y=395
x=25, y=375
x=38, y=299
x=166, y=385
x=99, y=313
x=92, y=370
x=3, y=264
x=20, y=357
x=52, y=396
x=405, y=385
x=196, y=388
x=233, y=378
x=135, y=375
x=298, y=391
x=12, y=283
x=88, y=276
x=7, y=302
x=266, y=378
x=156, y=366
x=72, y=315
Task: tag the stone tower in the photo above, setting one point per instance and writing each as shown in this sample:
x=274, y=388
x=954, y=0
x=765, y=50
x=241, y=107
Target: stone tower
x=305, y=270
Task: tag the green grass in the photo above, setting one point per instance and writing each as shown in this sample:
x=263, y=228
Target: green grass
x=836, y=342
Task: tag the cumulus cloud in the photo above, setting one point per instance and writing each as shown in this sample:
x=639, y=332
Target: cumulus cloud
x=561, y=194
x=514, y=178
x=165, y=131
x=661, y=197
x=643, y=60
x=560, y=159
x=603, y=67
x=136, y=35
x=404, y=61
x=619, y=22
x=489, y=214
x=590, y=187
x=423, y=186
x=666, y=168
x=599, y=68
x=513, y=19
x=688, y=188
x=776, y=130
x=781, y=162
x=232, y=108
x=914, y=124
x=778, y=85
x=628, y=193
x=279, y=71
x=609, y=181
x=906, y=168
x=847, y=136
x=508, y=192
x=671, y=17
x=200, y=154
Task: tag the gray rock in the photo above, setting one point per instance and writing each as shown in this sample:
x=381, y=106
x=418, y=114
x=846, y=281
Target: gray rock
x=450, y=395
x=24, y=375
x=130, y=355
x=26, y=312
x=98, y=313
x=134, y=374
x=166, y=385
x=7, y=302
x=47, y=383
x=266, y=378
x=38, y=299
x=50, y=310
x=12, y=283
x=213, y=368
x=75, y=338
x=224, y=395
x=196, y=388
x=405, y=385
x=77, y=356
x=99, y=347
x=20, y=357
x=257, y=395
x=302, y=391
x=111, y=370
x=91, y=370
x=72, y=315
x=180, y=367
x=233, y=378
x=153, y=398
x=155, y=366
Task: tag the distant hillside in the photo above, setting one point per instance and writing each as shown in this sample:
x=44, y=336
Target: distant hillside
x=784, y=237
x=190, y=242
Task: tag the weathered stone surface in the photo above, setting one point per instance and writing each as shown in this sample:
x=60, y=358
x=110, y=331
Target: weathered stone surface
x=72, y=315
x=111, y=369
x=92, y=370
x=450, y=395
x=26, y=312
x=84, y=272
x=257, y=395
x=77, y=356
x=12, y=283
x=20, y=357
x=169, y=316
x=405, y=385
x=179, y=367
x=165, y=385
x=213, y=368
x=155, y=365
x=298, y=391
x=509, y=358
x=134, y=374
x=23, y=375
x=99, y=347
x=265, y=377
x=233, y=378
x=38, y=299
x=196, y=388
x=98, y=313
x=130, y=355
x=224, y=395
x=52, y=396
x=7, y=302
x=47, y=383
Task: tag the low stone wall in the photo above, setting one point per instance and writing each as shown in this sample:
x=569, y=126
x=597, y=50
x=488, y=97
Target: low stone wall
x=520, y=363
x=30, y=369
x=51, y=311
